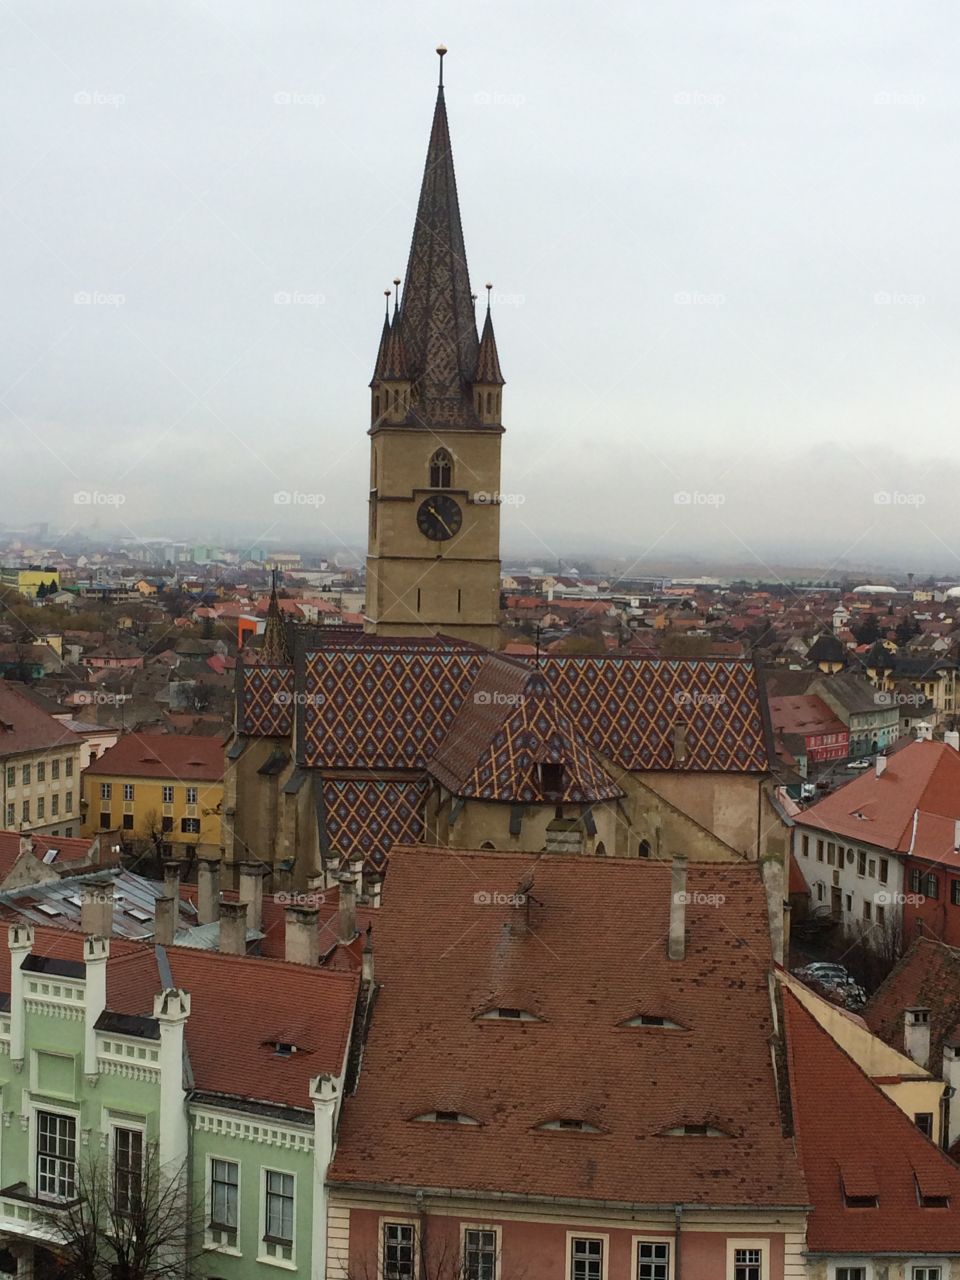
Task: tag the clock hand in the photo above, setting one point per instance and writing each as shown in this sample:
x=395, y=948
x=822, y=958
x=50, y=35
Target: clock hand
x=434, y=512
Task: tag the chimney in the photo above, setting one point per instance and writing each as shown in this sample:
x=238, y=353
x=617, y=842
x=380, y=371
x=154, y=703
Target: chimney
x=171, y=878
x=677, y=944
x=367, y=967
x=880, y=763
x=96, y=910
x=772, y=871
x=233, y=928
x=680, y=742
x=165, y=920
x=251, y=891
x=301, y=940
x=26, y=843
x=356, y=870
x=208, y=890
x=347, y=928
x=952, y=739
x=916, y=1035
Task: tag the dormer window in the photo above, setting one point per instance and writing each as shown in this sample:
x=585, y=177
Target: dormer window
x=551, y=778
x=694, y=1131
x=652, y=1020
x=445, y=1117
x=441, y=470
x=284, y=1048
x=505, y=1014
x=569, y=1125
x=932, y=1190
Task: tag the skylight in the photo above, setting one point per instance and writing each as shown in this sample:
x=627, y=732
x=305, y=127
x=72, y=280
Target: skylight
x=652, y=1020
x=694, y=1131
x=505, y=1014
x=47, y=909
x=570, y=1125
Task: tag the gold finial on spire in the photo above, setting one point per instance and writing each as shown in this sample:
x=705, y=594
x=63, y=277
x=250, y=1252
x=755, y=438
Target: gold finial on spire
x=489, y=288
x=386, y=305
x=441, y=53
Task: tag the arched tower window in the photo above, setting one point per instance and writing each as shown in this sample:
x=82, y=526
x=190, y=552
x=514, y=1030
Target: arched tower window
x=489, y=401
x=441, y=470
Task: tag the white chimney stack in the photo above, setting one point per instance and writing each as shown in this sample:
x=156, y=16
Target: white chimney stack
x=916, y=1035
x=677, y=942
x=881, y=764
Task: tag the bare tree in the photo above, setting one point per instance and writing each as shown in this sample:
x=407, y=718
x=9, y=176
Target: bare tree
x=134, y=1224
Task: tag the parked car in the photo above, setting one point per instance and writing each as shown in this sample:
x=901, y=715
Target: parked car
x=859, y=764
x=835, y=980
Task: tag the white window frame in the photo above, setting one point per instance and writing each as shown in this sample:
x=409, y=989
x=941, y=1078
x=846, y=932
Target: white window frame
x=839, y=1263
x=942, y=1263
x=129, y=791
x=208, y=1241
x=590, y=1235
x=116, y=1122
x=763, y=1245
x=286, y=1264
x=648, y=1239
x=72, y=1113
x=398, y=1220
x=480, y=1226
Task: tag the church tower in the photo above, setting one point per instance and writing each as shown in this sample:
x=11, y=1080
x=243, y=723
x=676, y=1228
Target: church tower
x=433, y=556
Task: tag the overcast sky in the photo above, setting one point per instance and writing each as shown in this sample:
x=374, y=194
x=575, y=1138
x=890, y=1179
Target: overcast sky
x=722, y=239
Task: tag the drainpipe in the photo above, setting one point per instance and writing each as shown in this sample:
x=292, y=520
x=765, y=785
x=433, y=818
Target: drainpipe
x=677, y=1217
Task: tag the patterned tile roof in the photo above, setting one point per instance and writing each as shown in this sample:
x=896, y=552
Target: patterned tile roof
x=369, y=816
x=628, y=710
x=382, y=708
x=266, y=701
x=509, y=725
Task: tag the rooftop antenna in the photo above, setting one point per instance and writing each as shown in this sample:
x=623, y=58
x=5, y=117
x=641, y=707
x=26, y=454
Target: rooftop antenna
x=441, y=53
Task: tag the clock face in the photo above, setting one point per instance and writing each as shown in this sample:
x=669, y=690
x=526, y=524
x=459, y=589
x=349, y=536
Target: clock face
x=439, y=517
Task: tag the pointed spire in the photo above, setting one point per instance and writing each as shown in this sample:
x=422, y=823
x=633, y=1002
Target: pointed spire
x=384, y=336
x=275, y=648
x=488, y=361
x=436, y=315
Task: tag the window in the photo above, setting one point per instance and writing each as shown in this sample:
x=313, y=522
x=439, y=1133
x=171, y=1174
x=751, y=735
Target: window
x=955, y=893
x=166, y=823
x=819, y=850
x=653, y=1261
x=805, y=846
x=54, y=806
x=747, y=1264
x=884, y=870
x=441, y=470
x=11, y=775
x=848, y=903
x=926, y=1273
x=56, y=1156
x=931, y=886
x=479, y=1253
x=861, y=862
x=915, y=880
x=128, y=791
x=398, y=1251
x=11, y=815
x=586, y=1259
x=867, y=909
x=881, y=916
x=68, y=767
x=26, y=775
x=127, y=1168
x=41, y=771
x=851, y=1273
x=168, y=795
x=106, y=790
x=54, y=770
x=128, y=822
x=278, y=1214
x=191, y=795
x=68, y=802
x=190, y=826
x=924, y=1122
x=105, y=821
x=25, y=811
x=819, y=890
x=872, y=867
x=41, y=808
x=224, y=1202
x=831, y=853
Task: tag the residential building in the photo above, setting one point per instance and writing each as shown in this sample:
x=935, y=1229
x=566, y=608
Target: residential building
x=807, y=733
x=866, y=850
x=873, y=720
x=125, y=1062
x=162, y=788
x=28, y=581
x=39, y=768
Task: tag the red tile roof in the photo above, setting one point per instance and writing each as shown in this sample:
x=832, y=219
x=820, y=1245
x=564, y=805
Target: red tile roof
x=25, y=727
x=590, y=955
x=923, y=775
x=185, y=757
x=807, y=715
x=69, y=848
x=927, y=976
x=851, y=1138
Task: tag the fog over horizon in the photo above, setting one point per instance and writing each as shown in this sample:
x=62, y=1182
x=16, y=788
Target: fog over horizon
x=721, y=240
